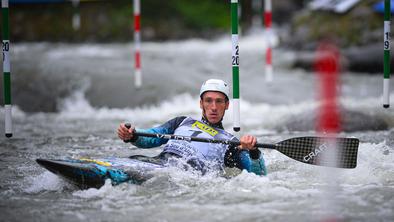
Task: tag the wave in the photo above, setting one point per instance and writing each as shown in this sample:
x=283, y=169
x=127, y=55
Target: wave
x=260, y=118
x=357, y=115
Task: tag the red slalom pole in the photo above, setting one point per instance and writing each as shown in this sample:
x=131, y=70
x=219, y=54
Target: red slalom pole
x=268, y=32
x=327, y=65
x=137, y=43
x=327, y=68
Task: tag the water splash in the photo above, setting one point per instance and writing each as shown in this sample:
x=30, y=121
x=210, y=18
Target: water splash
x=46, y=181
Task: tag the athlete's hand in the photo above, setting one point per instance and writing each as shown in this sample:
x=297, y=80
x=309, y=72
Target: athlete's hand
x=125, y=133
x=248, y=142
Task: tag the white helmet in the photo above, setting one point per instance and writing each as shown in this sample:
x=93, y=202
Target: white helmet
x=216, y=85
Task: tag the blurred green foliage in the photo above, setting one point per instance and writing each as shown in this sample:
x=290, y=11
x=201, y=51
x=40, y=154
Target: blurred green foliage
x=105, y=21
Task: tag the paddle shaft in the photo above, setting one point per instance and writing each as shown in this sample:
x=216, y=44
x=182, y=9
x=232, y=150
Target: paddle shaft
x=197, y=139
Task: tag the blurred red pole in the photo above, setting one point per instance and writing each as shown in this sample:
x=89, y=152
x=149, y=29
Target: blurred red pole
x=327, y=67
x=268, y=31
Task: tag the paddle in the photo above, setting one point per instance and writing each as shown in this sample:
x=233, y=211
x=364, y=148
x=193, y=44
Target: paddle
x=308, y=150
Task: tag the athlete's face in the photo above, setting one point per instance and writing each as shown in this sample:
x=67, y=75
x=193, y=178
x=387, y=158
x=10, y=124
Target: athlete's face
x=213, y=105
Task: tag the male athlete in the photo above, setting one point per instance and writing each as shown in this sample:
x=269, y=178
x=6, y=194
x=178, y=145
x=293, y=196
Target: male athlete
x=214, y=102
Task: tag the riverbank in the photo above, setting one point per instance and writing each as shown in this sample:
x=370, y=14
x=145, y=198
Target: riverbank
x=112, y=21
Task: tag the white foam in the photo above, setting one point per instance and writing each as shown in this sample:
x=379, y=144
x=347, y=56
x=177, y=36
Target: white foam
x=77, y=107
x=367, y=102
x=374, y=165
x=46, y=181
x=94, y=192
x=256, y=41
x=257, y=116
x=15, y=110
x=86, y=50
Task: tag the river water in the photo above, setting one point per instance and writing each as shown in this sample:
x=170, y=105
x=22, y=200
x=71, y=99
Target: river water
x=70, y=98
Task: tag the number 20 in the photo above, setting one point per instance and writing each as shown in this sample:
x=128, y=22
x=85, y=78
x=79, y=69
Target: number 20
x=6, y=46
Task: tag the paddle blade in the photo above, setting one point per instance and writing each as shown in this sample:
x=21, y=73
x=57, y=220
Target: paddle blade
x=322, y=151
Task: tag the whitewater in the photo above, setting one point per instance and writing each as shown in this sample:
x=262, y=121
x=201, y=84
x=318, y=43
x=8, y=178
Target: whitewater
x=70, y=99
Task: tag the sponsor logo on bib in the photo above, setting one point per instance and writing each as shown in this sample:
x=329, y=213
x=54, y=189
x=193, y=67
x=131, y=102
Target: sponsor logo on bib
x=211, y=131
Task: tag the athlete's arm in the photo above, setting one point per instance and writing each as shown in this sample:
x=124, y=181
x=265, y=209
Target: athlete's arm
x=149, y=142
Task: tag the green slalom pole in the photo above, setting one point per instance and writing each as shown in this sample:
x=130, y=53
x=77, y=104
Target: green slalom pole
x=6, y=69
x=386, y=64
x=235, y=65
